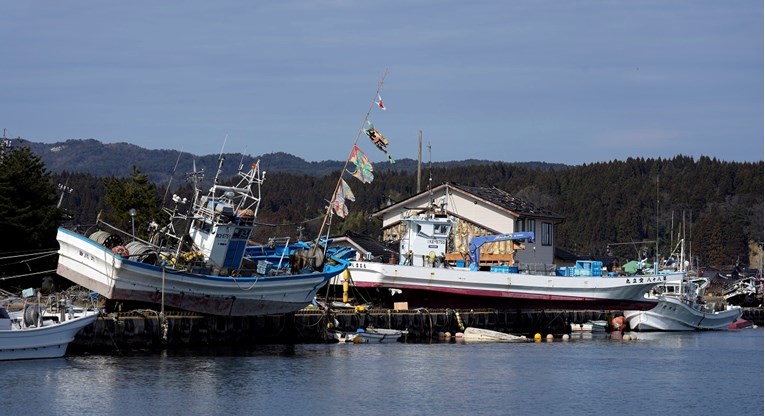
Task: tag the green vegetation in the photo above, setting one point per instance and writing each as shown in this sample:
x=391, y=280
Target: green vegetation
x=716, y=205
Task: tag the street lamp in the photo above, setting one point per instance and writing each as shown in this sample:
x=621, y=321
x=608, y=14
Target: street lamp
x=132, y=220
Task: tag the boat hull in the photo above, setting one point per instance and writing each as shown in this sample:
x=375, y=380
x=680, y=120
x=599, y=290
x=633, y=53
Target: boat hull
x=461, y=287
x=378, y=336
x=49, y=341
x=472, y=334
x=95, y=267
x=672, y=314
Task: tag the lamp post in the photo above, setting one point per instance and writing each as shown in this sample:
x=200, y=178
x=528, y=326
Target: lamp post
x=132, y=220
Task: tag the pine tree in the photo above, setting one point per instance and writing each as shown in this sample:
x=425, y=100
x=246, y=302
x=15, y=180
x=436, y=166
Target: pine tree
x=28, y=213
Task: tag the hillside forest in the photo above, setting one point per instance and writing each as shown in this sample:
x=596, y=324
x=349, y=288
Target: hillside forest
x=716, y=206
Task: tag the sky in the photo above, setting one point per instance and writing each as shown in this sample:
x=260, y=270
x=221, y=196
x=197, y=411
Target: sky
x=568, y=82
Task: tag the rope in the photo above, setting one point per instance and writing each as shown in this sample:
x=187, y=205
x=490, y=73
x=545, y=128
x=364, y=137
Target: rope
x=27, y=274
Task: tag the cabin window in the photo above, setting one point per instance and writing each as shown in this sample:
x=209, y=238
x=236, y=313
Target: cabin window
x=241, y=233
x=441, y=229
x=547, y=234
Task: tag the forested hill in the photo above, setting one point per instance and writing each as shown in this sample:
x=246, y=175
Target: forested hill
x=117, y=159
x=716, y=205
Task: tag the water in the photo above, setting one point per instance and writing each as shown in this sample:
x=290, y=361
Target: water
x=704, y=373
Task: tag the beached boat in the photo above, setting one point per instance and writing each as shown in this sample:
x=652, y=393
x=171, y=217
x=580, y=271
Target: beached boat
x=681, y=308
x=472, y=334
x=744, y=292
x=31, y=333
x=426, y=280
x=378, y=335
x=211, y=269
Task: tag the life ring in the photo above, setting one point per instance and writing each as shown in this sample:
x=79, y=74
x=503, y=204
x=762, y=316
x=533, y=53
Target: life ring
x=121, y=251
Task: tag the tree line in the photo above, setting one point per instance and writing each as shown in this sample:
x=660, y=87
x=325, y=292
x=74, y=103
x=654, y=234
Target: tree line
x=716, y=206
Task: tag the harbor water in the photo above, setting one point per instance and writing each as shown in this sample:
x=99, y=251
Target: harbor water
x=696, y=373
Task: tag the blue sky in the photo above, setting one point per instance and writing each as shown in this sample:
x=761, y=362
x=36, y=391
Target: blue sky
x=555, y=81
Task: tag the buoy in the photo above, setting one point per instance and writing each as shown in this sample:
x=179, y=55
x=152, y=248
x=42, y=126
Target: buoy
x=537, y=337
x=550, y=337
x=565, y=337
x=626, y=337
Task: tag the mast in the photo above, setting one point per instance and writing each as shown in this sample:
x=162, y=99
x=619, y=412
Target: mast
x=656, y=255
x=347, y=159
x=419, y=163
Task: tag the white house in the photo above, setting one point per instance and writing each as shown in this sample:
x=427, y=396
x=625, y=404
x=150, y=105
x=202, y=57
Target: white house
x=480, y=211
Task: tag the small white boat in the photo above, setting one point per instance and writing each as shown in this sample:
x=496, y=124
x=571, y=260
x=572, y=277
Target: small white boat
x=378, y=335
x=472, y=334
x=589, y=326
x=32, y=334
x=341, y=336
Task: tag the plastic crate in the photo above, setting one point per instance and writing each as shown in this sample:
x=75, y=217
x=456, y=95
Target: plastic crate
x=264, y=266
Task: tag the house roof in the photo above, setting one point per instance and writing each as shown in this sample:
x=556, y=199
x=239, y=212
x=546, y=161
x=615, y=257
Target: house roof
x=492, y=195
x=367, y=244
x=504, y=200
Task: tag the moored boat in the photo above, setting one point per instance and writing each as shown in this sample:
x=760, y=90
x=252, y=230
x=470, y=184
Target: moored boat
x=372, y=335
x=680, y=308
x=473, y=334
x=32, y=334
x=209, y=269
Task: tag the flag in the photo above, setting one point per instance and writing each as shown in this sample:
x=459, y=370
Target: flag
x=338, y=202
x=345, y=191
x=364, y=168
x=378, y=139
x=379, y=102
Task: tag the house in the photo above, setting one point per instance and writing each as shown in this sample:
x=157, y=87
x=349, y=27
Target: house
x=480, y=211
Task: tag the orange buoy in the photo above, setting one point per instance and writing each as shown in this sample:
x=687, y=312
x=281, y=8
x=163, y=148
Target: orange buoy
x=619, y=324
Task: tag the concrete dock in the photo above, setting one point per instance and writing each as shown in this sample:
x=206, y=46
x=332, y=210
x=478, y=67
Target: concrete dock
x=148, y=329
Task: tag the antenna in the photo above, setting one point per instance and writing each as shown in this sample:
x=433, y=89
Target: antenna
x=171, y=176
x=430, y=171
x=419, y=162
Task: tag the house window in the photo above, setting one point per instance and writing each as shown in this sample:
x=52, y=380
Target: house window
x=547, y=232
x=519, y=226
x=531, y=225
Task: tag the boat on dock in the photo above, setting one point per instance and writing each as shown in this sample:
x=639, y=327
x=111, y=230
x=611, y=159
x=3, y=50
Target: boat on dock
x=420, y=273
x=210, y=268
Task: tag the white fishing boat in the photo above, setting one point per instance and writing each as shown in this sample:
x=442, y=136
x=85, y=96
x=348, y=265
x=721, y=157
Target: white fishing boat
x=472, y=334
x=341, y=336
x=32, y=334
x=210, y=269
x=420, y=273
x=378, y=335
x=680, y=308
